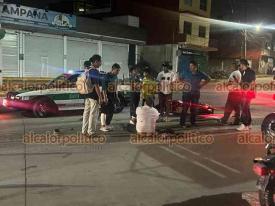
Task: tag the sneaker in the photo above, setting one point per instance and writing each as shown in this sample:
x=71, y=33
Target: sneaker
x=243, y=128
x=104, y=129
x=133, y=120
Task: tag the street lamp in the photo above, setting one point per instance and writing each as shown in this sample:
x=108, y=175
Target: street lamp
x=258, y=27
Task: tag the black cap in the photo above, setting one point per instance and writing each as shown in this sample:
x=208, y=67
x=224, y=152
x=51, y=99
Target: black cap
x=87, y=64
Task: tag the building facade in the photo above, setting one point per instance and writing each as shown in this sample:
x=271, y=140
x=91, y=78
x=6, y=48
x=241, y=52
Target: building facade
x=173, y=32
x=257, y=47
x=40, y=43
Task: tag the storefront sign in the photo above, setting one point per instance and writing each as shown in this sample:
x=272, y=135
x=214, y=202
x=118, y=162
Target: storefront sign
x=37, y=17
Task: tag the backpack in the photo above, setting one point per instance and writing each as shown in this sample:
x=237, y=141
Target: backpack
x=84, y=84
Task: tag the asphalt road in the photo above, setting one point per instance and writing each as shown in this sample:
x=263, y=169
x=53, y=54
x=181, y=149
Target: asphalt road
x=119, y=172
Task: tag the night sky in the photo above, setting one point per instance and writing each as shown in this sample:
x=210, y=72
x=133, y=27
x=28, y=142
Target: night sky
x=251, y=11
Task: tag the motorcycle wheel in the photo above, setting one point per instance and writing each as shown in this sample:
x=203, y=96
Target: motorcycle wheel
x=268, y=128
x=266, y=198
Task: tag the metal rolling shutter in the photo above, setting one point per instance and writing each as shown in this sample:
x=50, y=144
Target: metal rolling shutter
x=115, y=53
x=9, y=47
x=43, y=56
x=79, y=51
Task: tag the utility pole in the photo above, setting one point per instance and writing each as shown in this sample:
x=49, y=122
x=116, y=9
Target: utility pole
x=245, y=43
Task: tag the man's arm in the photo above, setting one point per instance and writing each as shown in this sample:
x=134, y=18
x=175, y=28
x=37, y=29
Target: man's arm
x=205, y=80
x=98, y=93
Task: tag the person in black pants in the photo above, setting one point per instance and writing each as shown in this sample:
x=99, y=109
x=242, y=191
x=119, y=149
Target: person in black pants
x=233, y=102
x=109, y=90
x=248, y=93
x=135, y=81
x=196, y=80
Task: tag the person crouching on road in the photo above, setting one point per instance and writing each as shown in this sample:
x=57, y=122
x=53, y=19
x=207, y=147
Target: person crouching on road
x=93, y=99
x=110, y=96
x=149, y=86
x=147, y=116
x=234, y=98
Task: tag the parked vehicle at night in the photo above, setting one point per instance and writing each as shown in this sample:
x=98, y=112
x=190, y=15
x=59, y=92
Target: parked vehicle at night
x=60, y=94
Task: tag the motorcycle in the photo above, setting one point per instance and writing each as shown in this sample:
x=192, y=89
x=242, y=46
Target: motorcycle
x=265, y=169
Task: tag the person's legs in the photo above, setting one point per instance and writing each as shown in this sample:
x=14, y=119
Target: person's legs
x=93, y=116
x=110, y=113
x=134, y=102
x=103, y=112
x=86, y=114
x=168, y=103
x=237, y=109
x=246, y=114
x=194, y=107
x=186, y=103
x=161, y=103
x=227, y=110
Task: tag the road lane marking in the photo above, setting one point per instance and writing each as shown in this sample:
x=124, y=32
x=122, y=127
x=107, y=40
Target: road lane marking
x=194, y=162
x=209, y=159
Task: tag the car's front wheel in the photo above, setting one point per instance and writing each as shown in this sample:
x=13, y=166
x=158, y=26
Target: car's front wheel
x=44, y=107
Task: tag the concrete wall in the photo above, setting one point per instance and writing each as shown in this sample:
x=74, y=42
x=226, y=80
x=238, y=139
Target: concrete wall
x=195, y=8
x=194, y=37
x=157, y=54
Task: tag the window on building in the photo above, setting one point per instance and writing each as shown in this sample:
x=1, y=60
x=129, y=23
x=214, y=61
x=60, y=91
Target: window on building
x=187, y=28
x=202, y=31
x=188, y=2
x=203, y=5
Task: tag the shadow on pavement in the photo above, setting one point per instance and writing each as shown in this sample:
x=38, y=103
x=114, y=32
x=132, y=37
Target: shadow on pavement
x=233, y=199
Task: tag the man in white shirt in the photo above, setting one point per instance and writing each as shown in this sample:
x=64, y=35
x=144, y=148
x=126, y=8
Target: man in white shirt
x=233, y=102
x=147, y=116
x=165, y=80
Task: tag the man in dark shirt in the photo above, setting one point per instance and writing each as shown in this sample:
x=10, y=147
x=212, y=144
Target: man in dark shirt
x=248, y=93
x=135, y=81
x=93, y=99
x=196, y=79
x=110, y=96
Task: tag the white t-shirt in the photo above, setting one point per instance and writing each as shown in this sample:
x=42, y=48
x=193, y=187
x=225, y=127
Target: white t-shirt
x=235, y=77
x=146, y=119
x=165, y=80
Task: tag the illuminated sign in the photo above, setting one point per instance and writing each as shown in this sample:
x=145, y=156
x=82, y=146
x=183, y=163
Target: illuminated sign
x=36, y=17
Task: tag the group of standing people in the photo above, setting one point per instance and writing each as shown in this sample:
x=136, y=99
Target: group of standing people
x=241, y=91
x=104, y=96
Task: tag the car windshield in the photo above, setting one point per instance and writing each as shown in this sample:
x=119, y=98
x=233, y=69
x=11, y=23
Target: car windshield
x=64, y=80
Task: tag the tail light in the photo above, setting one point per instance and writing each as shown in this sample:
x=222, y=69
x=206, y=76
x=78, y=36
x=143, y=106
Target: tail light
x=260, y=169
